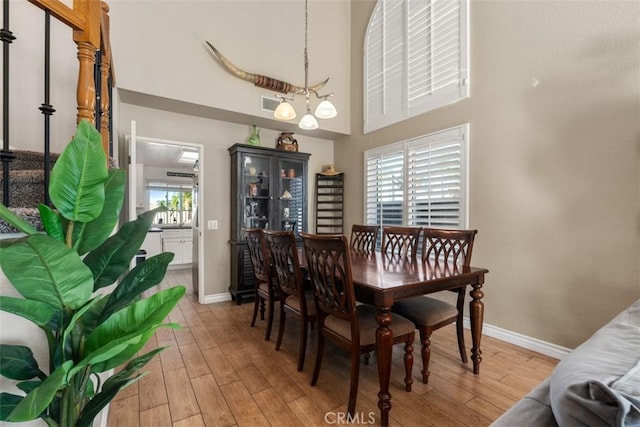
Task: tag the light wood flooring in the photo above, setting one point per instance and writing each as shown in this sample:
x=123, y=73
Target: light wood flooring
x=218, y=371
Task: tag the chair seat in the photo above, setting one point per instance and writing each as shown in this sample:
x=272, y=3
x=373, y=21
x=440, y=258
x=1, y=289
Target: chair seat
x=294, y=302
x=368, y=325
x=424, y=310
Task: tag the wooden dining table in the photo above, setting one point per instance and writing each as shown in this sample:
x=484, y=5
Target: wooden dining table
x=381, y=280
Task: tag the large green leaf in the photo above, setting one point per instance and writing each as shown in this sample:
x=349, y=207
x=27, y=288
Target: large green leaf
x=130, y=351
x=87, y=236
x=38, y=312
x=16, y=221
x=145, y=275
x=76, y=329
x=17, y=363
x=52, y=222
x=113, y=385
x=28, y=386
x=77, y=188
x=135, y=318
x=111, y=259
x=8, y=403
x=44, y=269
x=40, y=397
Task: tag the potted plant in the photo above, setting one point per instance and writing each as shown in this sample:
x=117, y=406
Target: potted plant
x=77, y=288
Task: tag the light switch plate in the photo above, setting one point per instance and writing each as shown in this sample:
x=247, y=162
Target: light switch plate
x=212, y=224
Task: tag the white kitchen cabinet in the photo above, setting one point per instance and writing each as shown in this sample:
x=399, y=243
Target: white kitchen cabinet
x=180, y=242
x=152, y=243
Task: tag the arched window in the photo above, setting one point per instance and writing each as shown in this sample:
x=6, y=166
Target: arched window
x=415, y=59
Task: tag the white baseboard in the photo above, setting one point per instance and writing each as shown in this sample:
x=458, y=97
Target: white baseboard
x=213, y=298
x=543, y=347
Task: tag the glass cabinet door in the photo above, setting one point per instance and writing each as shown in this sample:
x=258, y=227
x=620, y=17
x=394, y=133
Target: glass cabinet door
x=290, y=201
x=256, y=206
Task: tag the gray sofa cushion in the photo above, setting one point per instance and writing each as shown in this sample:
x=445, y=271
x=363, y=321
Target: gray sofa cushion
x=598, y=384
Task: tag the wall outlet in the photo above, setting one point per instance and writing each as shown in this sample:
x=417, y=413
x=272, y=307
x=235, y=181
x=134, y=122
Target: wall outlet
x=212, y=224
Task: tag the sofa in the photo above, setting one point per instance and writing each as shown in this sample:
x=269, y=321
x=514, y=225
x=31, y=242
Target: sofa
x=597, y=384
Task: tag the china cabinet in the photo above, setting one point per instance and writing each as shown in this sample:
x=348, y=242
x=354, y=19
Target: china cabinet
x=268, y=190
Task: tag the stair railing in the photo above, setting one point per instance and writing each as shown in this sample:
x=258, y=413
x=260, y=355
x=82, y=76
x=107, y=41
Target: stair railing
x=89, y=20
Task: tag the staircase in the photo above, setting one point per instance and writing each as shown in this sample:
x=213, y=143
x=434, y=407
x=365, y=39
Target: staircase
x=26, y=187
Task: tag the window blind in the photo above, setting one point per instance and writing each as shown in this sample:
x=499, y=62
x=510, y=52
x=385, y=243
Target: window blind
x=415, y=59
x=419, y=182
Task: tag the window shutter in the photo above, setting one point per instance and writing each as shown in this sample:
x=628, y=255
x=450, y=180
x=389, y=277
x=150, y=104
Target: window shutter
x=415, y=59
x=421, y=182
x=435, y=180
x=384, y=183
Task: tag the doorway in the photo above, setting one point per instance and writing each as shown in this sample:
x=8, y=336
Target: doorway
x=167, y=173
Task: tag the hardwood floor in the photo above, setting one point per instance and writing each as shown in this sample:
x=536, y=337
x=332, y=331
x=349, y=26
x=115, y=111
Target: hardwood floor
x=218, y=371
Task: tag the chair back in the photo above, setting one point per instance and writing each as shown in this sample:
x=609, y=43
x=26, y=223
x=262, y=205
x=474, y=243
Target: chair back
x=329, y=266
x=363, y=238
x=400, y=241
x=259, y=254
x=284, y=256
x=450, y=246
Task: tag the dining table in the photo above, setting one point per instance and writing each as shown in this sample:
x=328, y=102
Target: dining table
x=380, y=280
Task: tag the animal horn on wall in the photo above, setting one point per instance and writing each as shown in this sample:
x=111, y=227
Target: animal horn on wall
x=261, y=80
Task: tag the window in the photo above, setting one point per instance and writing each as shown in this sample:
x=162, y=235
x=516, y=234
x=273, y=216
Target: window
x=420, y=182
x=174, y=196
x=415, y=59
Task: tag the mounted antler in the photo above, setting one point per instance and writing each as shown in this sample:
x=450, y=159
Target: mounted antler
x=261, y=80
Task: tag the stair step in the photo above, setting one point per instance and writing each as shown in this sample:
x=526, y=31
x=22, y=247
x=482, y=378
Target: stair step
x=27, y=160
x=26, y=188
x=31, y=215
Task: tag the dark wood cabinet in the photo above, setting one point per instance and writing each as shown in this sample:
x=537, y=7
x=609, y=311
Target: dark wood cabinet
x=268, y=190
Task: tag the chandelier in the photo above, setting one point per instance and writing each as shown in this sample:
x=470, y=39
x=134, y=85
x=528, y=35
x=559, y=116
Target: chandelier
x=324, y=110
x=288, y=91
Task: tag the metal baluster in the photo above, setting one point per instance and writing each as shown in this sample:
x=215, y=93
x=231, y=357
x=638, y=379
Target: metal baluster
x=6, y=156
x=46, y=108
x=97, y=78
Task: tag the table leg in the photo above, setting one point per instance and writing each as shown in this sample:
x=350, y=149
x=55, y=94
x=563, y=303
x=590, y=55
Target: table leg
x=476, y=308
x=384, y=349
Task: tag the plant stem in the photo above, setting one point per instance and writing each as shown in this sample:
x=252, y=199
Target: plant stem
x=69, y=237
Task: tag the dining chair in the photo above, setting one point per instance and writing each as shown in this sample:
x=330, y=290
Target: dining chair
x=364, y=238
x=349, y=325
x=451, y=249
x=265, y=290
x=289, y=279
x=400, y=241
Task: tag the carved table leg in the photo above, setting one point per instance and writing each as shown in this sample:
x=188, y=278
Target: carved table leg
x=384, y=348
x=476, y=308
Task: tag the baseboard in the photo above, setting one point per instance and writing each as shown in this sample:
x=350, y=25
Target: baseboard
x=543, y=347
x=213, y=298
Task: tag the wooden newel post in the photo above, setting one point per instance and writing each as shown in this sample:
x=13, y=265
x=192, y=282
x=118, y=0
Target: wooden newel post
x=105, y=71
x=86, y=92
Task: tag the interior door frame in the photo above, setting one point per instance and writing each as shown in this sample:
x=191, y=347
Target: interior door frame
x=133, y=140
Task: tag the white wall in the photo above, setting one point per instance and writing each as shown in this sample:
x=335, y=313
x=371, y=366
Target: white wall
x=162, y=52
x=554, y=119
x=215, y=178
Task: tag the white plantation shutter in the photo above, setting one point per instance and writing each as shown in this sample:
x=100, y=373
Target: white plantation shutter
x=420, y=182
x=415, y=59
x=384, y=181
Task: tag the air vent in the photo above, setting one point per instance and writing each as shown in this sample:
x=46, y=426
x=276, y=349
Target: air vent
x=269, y=104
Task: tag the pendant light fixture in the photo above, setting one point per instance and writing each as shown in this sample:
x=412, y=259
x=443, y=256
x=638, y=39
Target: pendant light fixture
x=324, y=110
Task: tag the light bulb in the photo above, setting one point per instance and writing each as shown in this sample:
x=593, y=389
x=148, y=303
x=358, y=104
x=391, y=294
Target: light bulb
x=326, y=110
x=308, y=122
x=284, y=111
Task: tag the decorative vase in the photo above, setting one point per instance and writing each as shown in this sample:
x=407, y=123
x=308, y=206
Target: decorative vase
x=254, y=138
